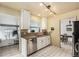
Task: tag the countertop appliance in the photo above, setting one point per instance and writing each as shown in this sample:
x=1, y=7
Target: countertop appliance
x=31, y=45
x=76, y=39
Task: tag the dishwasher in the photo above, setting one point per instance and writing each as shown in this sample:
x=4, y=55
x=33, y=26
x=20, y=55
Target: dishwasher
x=31, y=45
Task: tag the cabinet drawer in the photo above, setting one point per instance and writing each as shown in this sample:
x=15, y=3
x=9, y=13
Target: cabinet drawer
x=39, y=43
x=47, y=40
x=42, y=42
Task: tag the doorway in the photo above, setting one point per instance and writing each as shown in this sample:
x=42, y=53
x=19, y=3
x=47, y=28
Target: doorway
x=9, y=40
x=66, y=36
x=9, y=35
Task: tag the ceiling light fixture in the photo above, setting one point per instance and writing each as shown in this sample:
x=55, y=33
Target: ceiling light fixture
x=50, y=13
x=48, y=7
x=39, y=15
x=46, y=10
x=41, y=4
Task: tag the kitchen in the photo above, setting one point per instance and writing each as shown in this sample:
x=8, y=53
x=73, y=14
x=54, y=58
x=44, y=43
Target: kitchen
x=38, y=32
x=34, y=23
x=36, y=37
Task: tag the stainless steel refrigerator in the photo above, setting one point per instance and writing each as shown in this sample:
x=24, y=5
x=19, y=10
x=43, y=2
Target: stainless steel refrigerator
x=76, y=38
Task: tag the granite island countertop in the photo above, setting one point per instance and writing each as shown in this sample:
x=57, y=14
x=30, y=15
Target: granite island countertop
x=32, y=35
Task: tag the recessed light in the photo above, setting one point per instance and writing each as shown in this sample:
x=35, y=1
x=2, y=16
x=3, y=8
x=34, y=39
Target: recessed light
x=50, y=3
x=41, y=4
x=54, y=15
x=50, y=13
x=39, y=15
x=46, y=9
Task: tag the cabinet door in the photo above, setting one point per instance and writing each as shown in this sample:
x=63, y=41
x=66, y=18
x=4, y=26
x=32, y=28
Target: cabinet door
x=47, y=40
x=42, y=42
x=23, y=47
x=25, y=19
x=39, y=43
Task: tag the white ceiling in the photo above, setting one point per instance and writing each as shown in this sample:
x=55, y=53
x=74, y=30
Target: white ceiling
x=35, y=8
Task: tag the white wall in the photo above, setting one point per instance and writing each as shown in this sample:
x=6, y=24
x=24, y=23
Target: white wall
x=65, y=22
x=54, y=21
x=8, y=19
x=6, y=36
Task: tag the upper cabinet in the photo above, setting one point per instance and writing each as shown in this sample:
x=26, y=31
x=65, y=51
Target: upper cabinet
x=35, y=23
x=25, y=19
x=44, y=23
x=31, y=22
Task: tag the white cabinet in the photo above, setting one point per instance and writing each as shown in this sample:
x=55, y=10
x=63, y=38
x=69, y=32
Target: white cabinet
x=42, y=42
x=44, y=23
x=39, y=43
x=25, y=19
x=23, y=47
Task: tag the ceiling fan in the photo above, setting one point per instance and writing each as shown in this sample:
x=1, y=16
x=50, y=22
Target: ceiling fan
x=48, y=7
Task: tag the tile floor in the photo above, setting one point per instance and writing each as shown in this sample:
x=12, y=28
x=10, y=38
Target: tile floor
x=50, y=51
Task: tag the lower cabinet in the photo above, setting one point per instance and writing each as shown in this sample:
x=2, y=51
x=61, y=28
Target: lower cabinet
x=39, y=43
x=42, y=42
x=23, y=47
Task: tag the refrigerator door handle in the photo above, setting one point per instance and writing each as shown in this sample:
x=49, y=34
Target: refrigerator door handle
x=77, y=47
x=0, y=40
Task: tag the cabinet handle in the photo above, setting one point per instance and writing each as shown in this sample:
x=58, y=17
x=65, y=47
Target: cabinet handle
x=0, y=40
x=77, y=44
x=41, y=41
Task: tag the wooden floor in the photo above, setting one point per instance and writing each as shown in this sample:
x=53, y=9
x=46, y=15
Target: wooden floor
x=53, y=51
x=50, y=51
x=9, y=51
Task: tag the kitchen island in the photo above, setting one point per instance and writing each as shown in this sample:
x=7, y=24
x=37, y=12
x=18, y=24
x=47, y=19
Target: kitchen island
x=33, y=42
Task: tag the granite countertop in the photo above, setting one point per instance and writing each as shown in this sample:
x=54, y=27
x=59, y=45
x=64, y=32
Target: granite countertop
x=29, y=37
x=32, y=35
x=42, y=35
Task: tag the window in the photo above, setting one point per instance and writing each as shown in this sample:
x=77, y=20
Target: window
x=35, y=25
